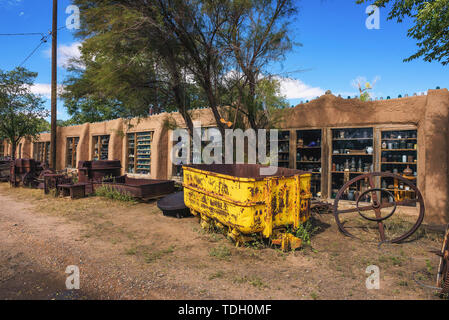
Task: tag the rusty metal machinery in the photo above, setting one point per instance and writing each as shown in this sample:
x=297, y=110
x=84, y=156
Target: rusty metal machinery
x=370, y=202
x=25, y=171
x=443, y=270
x=144, y=189
x=5, y=170
x=97, y=171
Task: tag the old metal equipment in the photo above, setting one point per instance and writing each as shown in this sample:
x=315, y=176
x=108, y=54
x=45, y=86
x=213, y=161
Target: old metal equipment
x=145, y=189
x=370, y=202
x=96, y=171
x=240, y=199
x=52, y=180
x=173, y=205
x=443, y=270
x=75, y=191
x=25, y=171
x=5, y=170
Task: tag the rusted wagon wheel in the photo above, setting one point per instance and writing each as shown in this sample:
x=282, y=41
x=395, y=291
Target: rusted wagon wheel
x=443, y=270
x=29, y=180
x=370, y=203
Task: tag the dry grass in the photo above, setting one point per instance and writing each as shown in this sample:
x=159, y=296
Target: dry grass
x=335, y=269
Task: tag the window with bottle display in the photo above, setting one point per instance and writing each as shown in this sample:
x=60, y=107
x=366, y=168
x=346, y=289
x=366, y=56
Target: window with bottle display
x=72, y=144
x=399, y=156
x=139, y=152
x=352, y=155
x=208, y=137
x=101, y=148
x=42, y=151
x=308, y=156
x=283, y=149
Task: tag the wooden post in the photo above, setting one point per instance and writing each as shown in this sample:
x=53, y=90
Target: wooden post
x=54, y=96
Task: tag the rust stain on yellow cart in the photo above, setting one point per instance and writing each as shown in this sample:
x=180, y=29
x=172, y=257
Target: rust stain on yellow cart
x=240, y=198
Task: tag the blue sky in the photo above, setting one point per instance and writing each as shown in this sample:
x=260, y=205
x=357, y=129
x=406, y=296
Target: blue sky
x=337, y=48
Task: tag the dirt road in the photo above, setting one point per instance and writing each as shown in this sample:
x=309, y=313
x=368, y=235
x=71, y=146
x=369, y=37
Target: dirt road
x=131, y=251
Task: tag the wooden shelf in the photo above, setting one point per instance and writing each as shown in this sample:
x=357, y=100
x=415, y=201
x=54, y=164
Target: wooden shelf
x=351, y=139
x=385, y=150
x=308, y=161
x=396, y=139
x=309, y=147
x=406, y=163
x=352, y=154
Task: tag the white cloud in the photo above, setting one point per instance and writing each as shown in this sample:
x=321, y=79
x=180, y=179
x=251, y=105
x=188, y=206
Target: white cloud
x=296, y=89
x=66, y=53
x=10, y=2
x=44, y=89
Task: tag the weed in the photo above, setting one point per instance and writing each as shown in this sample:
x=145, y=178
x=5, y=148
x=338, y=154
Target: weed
x=153, y=256
x=258, y=283
x=216, y=275
x=221, y=252
x=110, y=193
x=254, y=281
x=429, y=266
x=396, y=261
x=240, y=279
x=305, y=232
x=314, y=296
x=403, y=283
x=256, y=243
x=131, y=251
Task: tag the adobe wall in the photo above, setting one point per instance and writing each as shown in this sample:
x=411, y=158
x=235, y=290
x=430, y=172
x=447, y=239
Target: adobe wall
x=430, y=114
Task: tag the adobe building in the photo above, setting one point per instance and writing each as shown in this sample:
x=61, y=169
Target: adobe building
x=334, y=138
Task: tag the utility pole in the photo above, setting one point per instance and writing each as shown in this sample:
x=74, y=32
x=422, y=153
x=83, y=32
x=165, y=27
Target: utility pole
x=54, y=79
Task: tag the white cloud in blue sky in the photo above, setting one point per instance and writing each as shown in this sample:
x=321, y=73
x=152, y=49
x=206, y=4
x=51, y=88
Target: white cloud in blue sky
x=66, y=52
x=10, y=2
x=296, y=89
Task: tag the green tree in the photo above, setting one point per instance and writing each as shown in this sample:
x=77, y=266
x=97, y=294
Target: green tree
x=430, y=25
x=169, y=55
x=257, y=34
x=22, y=113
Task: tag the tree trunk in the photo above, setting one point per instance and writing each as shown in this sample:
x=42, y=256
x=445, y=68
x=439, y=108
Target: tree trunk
x=13, y=150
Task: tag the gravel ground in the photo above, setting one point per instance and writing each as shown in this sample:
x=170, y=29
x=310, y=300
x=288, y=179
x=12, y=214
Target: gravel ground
x=131, y=251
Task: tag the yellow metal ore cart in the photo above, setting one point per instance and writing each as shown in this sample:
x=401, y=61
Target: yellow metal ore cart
x=239, y=198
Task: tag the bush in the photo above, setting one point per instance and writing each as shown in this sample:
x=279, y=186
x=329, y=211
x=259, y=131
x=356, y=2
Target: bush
x=305, y=232
x=109, y=192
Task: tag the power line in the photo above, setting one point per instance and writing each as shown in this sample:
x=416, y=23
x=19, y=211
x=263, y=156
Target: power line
x=22, y=34
x=28, y=33
x=43, y=40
